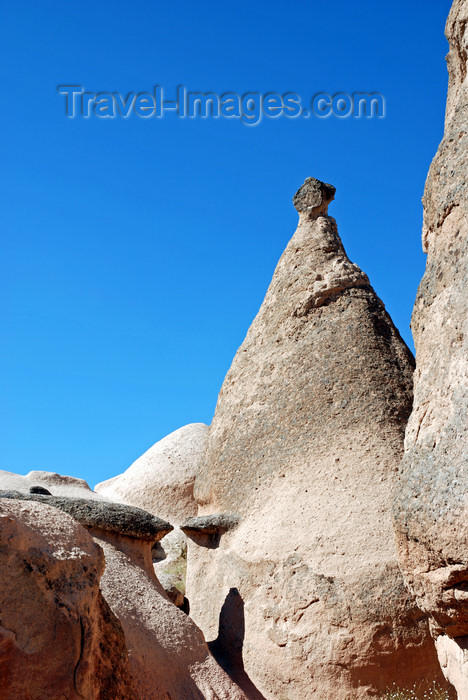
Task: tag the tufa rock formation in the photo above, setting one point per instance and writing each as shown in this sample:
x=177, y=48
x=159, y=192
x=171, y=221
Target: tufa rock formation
x=47, y=483
x=303, y=454
x=431, y=513
x=58, y=636
x=161, y=481
x=169, y=657
x=293, y=567
x=163, y=654
x=114, y=518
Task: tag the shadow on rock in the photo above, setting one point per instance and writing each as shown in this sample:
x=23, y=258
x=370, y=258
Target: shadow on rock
x=227, y=647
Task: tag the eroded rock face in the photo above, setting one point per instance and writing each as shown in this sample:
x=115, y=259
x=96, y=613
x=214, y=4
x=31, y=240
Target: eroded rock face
x=167, y=654
x=161, y=480
x=47, y=482
x=102, y=515
x=431, y=506
x=169, y=657
x=58, y=636
x=304, y=449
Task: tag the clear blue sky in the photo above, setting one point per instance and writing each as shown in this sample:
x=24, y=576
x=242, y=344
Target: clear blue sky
x=135, y=253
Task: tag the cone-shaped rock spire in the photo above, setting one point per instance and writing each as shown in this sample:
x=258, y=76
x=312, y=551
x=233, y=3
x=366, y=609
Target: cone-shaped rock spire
x=304, y=448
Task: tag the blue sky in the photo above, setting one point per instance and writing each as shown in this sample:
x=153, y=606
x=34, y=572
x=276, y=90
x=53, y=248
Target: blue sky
x=135, y=253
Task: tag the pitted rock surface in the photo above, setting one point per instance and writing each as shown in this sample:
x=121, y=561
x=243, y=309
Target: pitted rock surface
x=431, y=503
x=305, y=446
x=58, y=636
x=431, y=506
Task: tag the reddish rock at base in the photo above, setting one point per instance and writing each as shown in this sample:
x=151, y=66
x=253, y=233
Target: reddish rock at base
x=169, y=658
x=58, y=636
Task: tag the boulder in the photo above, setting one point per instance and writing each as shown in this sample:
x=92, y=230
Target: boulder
x=210, y=524
x=58, y=636
x=304, y=596
x=109, y=517
x=168, y=656
x=431, y=504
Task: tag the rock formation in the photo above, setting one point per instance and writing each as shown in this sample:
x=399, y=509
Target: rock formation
x=169, y=657
x=161, y=481
x=47, y=482
x=98, y=516
x=58, y=636
x=431, y=511
x=301, y=462
x=294, y=574
x=165, y=653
